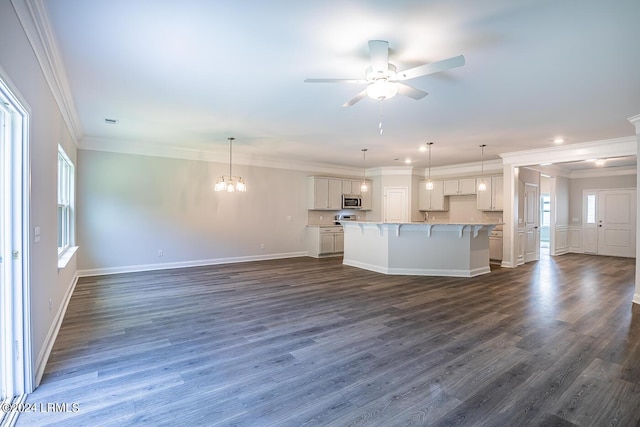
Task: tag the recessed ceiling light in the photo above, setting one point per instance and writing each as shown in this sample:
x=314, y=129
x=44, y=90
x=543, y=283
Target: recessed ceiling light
x=600, y=162
x=423, y=148
x=558, y=140
x=407, y=161
x=111, y=121
x=546, y=164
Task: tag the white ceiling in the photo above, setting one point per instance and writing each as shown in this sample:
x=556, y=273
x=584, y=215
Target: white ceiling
x=191, y=73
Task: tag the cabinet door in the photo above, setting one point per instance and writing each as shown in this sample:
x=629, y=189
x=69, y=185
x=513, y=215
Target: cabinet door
x=321, y=193
x=497, y=185
x=424, y=197
x=366, y=196
x=484, y=200
x=451, y=187
x=338, y=242
x=335, y=194
x=327, y=243
x=467, y=186
x=438, y=201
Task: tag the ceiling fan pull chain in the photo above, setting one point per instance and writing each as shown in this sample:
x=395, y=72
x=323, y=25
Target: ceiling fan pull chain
x=380, y=124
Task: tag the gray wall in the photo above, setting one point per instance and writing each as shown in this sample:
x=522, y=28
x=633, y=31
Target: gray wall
x=131, y=206
x=47, y=129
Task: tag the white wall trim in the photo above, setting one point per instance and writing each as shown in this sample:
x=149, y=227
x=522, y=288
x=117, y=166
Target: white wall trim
x=33, y=17
x=575, y=239
x=45, y=352
x=418, y=271
x=183, y=264
x=617, y=147
x=603, y=172
x=562, y=239
x=149, y=149
x=636, y=298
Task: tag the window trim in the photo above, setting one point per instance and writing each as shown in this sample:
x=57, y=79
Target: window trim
x=66, y=199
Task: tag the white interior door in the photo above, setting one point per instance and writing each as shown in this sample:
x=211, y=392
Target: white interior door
x=589, y=222
x=617, y=223
x=396, y=204
x=531, y=223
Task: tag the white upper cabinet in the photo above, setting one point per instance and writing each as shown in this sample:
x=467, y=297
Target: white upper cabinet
x=492, y=198
x=459, y=187
x=432, y=200
x=324, y=193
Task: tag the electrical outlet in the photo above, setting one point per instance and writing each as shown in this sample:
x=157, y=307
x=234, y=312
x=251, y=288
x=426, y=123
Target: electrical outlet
x=261, y=245
x=160, y=253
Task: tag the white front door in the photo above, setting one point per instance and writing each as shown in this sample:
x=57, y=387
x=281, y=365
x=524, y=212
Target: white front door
x=531, y=223
x=617, y=223
x=395, y=204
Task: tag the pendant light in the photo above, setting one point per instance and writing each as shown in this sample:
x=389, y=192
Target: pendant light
x=482, y=186
x=232, y=183
x=363, y=187
x=429, y=182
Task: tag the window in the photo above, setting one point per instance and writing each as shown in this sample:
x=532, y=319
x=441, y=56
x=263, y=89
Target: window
x=591, y=209
x=546, y=210
x=65, y=201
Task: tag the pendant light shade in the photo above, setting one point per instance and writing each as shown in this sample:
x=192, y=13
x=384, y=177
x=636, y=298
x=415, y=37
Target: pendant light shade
x=230, y=183
x=482, y=186
x=364, y=188
x=429, y=185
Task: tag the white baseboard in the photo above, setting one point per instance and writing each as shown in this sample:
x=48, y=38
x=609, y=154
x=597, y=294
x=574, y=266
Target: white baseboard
x=41, y=361
x=417, y=271
x=183, y=264
x=636, y=298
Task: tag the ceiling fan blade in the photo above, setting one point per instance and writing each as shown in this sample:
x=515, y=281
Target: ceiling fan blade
x=411, y=91
x=359, y=81
x=434, y=67
x=355, y=99
x=379, y=52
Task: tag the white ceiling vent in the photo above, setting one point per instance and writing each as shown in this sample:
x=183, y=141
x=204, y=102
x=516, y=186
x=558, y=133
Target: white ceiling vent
x=111, y=121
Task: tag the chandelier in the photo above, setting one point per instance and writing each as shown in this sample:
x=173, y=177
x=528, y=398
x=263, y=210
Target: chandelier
x=429, y=185
x=482, y=186
x=230, y=183
x=363, y=187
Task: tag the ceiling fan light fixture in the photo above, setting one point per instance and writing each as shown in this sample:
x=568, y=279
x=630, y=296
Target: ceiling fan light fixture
x=381, y=90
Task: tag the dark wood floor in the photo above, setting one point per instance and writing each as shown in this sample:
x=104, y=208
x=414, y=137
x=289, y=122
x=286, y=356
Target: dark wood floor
x=308, y=341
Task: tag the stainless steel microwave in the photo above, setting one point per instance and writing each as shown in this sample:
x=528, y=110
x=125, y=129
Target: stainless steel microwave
x=351, y=201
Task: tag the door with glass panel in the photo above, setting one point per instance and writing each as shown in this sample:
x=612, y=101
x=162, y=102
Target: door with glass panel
x=609, y=222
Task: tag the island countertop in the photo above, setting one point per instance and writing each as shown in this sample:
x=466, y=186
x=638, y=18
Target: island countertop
x=427, y=227
x=418, y=248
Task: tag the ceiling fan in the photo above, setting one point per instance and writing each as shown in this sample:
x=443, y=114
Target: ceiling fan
x=384, y=81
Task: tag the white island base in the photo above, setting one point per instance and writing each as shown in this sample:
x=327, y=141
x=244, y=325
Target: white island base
x=460, y=250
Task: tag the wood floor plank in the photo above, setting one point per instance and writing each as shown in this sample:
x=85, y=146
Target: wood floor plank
x=307, y=341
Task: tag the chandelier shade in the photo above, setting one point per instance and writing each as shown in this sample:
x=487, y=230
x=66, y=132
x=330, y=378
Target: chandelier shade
x=230, y=183
x=382, y=89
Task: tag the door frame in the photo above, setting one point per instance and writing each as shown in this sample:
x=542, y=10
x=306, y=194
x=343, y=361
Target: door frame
x=535, y=228
x=16, y=357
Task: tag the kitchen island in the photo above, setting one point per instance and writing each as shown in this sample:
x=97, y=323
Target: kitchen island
x=426, y=249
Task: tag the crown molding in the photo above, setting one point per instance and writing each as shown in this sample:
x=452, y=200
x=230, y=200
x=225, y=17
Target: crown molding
x=34, y=19
x=210, y=155
x=617, y=147
x=604, y=172
x=635, y=120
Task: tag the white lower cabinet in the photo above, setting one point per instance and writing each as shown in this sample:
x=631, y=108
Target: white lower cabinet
x=325, y=240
